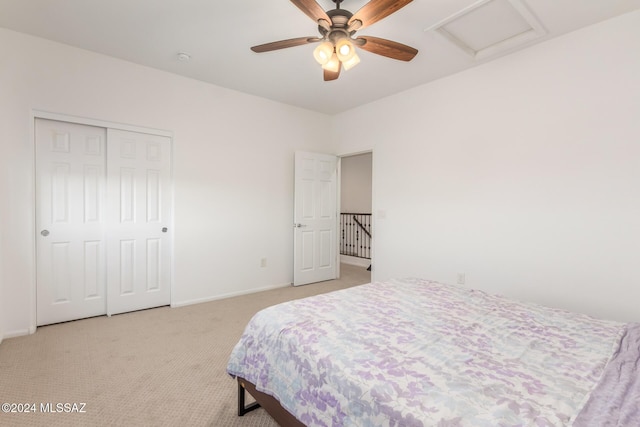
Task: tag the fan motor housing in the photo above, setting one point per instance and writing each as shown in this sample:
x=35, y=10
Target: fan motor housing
x=339, y=20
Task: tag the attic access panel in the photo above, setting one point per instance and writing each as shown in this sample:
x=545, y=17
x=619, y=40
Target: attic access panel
x=488, y=27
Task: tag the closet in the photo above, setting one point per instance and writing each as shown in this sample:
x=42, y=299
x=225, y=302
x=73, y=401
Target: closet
x=103, y=212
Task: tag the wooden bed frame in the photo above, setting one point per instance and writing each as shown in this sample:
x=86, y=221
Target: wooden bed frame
x=269, y=403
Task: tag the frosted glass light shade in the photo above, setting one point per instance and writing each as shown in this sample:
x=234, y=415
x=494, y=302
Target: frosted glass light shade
x=323, y=52
x=333, y=65
x=355, y=60
x=345, y=49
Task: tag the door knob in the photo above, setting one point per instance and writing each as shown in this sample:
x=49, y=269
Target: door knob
x=45, y=233
x=164, y=229
x=298, y=225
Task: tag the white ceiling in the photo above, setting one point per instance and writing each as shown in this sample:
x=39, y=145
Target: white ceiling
x=217, y=34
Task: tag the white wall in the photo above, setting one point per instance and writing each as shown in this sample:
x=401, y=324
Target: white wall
x=523, y=173
x=2, y=301
x=233, y=166
x=355, y=180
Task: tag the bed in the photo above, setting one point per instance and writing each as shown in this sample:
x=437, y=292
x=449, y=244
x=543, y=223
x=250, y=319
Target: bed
x=415, y=352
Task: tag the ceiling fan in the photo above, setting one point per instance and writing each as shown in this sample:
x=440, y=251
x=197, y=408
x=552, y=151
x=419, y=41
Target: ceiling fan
x=337, y=28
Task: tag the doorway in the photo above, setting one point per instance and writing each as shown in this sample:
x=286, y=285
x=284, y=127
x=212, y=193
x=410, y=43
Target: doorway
x=356, y=220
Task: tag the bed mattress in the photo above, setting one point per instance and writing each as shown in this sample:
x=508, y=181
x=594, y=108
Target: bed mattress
x=415, y=352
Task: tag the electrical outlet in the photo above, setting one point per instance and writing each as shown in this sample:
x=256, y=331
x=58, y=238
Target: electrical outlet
x=263, y=262
x=461, y=278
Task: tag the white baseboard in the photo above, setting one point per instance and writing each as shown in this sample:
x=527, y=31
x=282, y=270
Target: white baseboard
x=227, y=295
x=16, y=333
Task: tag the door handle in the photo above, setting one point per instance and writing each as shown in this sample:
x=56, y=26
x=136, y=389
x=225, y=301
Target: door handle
x=298, y=225
x=45, y=233
x=164, y=229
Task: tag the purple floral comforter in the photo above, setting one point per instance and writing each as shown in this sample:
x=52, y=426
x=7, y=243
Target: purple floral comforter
x=420, y=353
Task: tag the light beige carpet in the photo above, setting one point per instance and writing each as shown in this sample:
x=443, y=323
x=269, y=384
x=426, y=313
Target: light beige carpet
x=158, y=367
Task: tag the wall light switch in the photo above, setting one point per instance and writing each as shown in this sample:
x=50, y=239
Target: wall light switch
x=263, y=262
x=461, y=278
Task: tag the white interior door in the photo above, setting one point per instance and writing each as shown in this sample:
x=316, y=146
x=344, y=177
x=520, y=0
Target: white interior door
x=315, y=218
x=139, y=217
x=70, y=245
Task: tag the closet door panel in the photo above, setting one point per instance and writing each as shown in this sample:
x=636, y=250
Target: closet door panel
x=70, y=247
x=139, y=194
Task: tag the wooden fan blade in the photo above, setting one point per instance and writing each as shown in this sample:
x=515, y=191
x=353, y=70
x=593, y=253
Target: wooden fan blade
x=376, y=10
x=283, y=44
x=332, y=75
x=388, y=48
x=312, y=9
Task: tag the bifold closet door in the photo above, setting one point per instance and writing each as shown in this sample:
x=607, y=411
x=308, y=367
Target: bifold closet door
x=70, y=222
x=138, y=221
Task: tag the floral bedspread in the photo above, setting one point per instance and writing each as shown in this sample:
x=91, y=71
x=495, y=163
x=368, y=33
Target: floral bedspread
x=419, y=353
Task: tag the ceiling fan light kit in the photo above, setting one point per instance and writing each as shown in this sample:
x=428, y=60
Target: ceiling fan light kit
x=337, y=28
